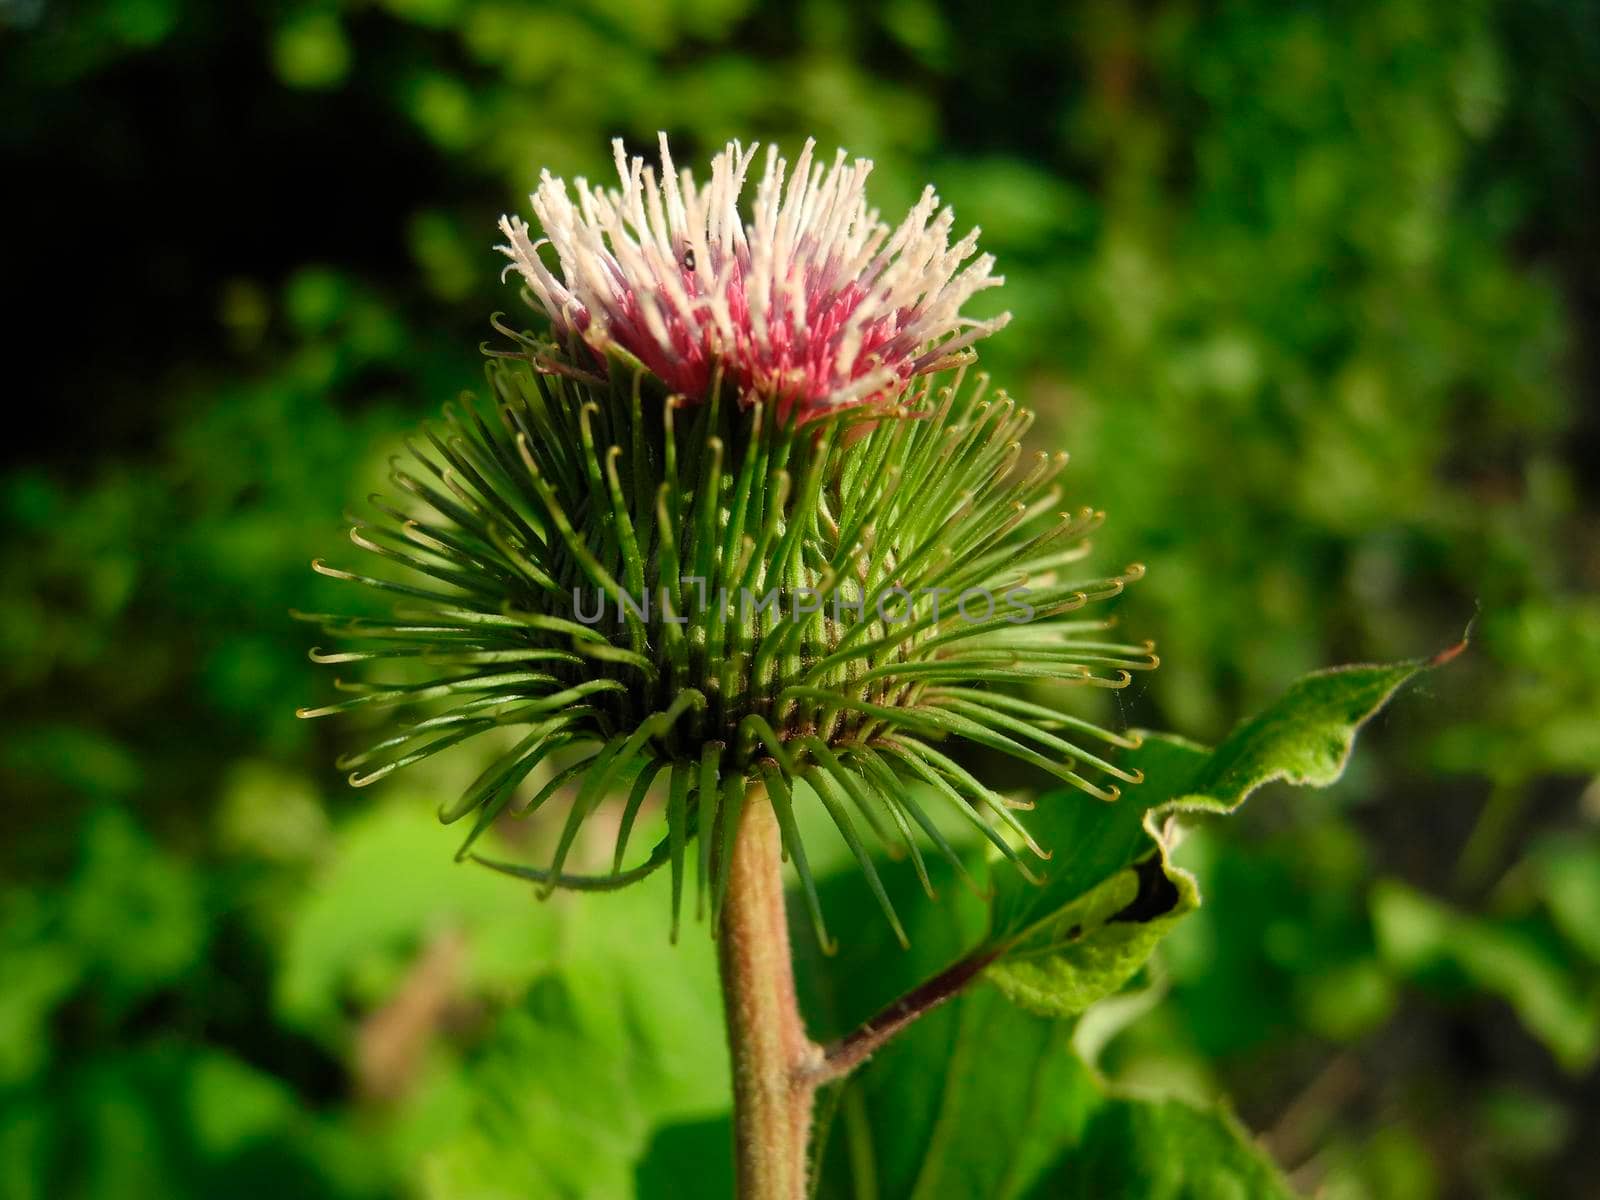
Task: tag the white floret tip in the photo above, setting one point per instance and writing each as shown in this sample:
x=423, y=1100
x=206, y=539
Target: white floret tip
x=815, y=303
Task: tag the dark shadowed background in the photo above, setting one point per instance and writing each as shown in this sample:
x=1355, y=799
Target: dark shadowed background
x=1309, y=291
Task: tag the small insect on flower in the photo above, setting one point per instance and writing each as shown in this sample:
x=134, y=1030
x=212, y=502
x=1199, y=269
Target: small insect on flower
x=815, y=304
x=766, y=555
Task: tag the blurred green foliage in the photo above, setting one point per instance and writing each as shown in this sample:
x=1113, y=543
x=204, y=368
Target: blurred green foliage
x=1308, y=290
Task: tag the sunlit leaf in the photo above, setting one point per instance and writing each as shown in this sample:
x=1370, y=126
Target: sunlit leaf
x=1017, y=1114
x=1109, y=894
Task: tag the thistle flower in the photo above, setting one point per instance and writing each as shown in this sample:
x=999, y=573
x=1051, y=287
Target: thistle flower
x=721, y=566
x=815, y=304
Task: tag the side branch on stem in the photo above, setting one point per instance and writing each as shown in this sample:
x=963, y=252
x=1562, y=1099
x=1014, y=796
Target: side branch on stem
x=849, y=1052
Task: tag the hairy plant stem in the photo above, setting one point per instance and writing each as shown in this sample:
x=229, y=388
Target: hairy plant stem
x=777, y=1068
x=772, y=1058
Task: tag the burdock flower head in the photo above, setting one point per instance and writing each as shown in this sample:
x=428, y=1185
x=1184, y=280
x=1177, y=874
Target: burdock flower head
x=741, y=530
x=815, y=304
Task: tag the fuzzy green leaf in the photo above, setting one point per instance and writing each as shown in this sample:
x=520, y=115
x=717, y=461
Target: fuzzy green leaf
x=1020, y=1115
x=1109, y=893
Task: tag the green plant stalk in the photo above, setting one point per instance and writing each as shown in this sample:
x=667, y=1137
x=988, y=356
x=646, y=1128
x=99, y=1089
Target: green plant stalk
x=773, y=1060
x=777, y=1068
